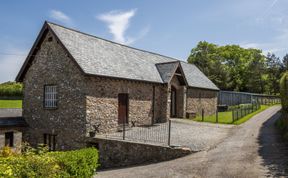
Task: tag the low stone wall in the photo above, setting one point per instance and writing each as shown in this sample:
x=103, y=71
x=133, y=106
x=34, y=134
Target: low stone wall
x=117, y=153
x=17, y=137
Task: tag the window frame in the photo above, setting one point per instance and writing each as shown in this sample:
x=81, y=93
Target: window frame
x=10, y=137
x=54, y=99
x=50, y=141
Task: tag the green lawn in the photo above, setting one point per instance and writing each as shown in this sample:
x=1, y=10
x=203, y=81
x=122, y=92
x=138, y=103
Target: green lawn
x=10, y=103
x=223, y=117
x=226, y=117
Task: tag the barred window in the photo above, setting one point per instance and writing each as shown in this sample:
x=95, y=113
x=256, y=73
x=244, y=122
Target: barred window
x=50, y=96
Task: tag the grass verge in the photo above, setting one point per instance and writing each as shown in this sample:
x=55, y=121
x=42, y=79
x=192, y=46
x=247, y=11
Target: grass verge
x=249, y=116
x=223, y=118
x=226, y=117
x=10, y=103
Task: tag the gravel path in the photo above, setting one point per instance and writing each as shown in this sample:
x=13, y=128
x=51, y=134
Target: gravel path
x=198, y=136
x=184, y=133
x=239, y=155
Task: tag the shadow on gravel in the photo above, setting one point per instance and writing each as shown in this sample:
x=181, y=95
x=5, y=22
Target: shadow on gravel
x=273, y=149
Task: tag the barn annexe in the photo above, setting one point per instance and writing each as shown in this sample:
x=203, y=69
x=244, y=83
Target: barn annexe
x=74, y=82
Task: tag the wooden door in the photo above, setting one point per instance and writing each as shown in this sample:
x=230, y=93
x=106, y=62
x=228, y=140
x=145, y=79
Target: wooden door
x=173, y=102
x=123, y=104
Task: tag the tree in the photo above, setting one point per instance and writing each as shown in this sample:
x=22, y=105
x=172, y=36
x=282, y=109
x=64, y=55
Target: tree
x=285, y=62
x=231, y=67
x=274, y=69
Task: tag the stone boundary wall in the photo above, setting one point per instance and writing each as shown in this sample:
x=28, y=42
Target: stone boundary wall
x=117, y=153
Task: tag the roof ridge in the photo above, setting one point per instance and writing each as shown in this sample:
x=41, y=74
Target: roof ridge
x=83, y=33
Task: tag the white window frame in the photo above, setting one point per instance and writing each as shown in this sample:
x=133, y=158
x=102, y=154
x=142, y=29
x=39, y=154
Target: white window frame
x=50, y=96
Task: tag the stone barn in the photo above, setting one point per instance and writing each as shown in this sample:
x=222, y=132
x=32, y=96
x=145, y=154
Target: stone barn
x=75, y=83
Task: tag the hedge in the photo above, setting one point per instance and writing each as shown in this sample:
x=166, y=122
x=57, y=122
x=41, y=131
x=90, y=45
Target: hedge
x=284, y=92
x=78, y=163
x=11, y=89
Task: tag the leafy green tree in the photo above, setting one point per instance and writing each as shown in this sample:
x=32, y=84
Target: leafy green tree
x=274, y=71
x=231, y=67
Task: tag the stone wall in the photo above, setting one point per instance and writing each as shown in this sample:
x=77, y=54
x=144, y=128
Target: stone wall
x=198, y=99
x=116, y=153
x=17, y=140
x=52, y=65
x=102, y=102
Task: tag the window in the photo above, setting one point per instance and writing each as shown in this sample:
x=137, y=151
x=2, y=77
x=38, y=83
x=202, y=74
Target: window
x=50, y=141
x=9, y=139
x=50, y=96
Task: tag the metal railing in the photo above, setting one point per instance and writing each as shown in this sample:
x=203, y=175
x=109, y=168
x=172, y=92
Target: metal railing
x=158, y=133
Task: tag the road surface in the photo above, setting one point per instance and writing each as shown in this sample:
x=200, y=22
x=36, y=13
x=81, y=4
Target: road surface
x=254, y=149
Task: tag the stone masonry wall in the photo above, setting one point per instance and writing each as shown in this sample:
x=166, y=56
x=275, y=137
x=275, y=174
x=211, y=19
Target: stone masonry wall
x=116, y=153
x=52, y=65
x=102, y=102
x=198, y=99
x=17, y=140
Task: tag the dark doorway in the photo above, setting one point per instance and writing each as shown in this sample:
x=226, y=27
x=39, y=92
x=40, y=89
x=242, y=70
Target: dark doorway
x=123, y=104
x=173, y=109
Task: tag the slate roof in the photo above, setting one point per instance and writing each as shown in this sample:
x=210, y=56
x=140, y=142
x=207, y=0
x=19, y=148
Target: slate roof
x=166, y=70
x=100, y=57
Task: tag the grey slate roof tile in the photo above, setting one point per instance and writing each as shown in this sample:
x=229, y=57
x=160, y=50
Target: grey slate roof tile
x=98, y=56
x=167, y=70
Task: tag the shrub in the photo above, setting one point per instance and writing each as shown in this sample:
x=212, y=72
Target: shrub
x=39, y=163
x=284, y=92
x=6, y=151
x=11, y=89
x=78, y=163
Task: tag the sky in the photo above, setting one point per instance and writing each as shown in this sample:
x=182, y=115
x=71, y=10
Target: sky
x=167, y=27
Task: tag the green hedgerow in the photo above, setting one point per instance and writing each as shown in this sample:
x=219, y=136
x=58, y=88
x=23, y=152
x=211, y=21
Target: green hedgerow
x=41, y=164
x=78, y=163
x=284, y=91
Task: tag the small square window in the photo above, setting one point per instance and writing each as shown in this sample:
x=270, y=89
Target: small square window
x=50, y=96
x=9, y=139
x=50, y=141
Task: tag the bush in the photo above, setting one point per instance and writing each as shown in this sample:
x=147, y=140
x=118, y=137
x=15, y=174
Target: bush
x=39, y=163
x=284, y=92
x=11, y=89
x=79, y=163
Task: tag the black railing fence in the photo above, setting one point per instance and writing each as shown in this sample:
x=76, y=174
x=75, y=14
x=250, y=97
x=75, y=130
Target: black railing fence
x=244, y=110
x=158, y=133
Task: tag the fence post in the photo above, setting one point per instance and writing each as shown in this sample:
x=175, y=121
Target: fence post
x=233, y=115
x=169, y=132
x=202, y=114
x=217, y=115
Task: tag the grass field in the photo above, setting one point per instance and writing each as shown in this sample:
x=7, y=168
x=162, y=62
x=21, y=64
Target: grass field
x=226, y=117
x=10, y=103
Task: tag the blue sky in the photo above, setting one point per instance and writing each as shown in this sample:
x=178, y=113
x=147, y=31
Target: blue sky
x=171, y=28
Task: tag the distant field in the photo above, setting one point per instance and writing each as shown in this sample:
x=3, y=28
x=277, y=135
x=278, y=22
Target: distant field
x=10, y=103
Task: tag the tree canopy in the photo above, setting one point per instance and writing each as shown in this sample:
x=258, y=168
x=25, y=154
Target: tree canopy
x=234, y=68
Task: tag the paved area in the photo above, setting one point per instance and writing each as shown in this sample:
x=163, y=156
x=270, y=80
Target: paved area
x=239, y=155
x=184, y=133
x=10, y=112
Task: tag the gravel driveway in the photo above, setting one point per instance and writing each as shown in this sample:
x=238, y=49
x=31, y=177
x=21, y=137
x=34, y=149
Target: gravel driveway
x=239, y=155
x=197, y=136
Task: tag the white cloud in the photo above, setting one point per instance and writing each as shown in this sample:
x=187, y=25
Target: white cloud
x=11, y=64
x=118, y=22
x=60, y=16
